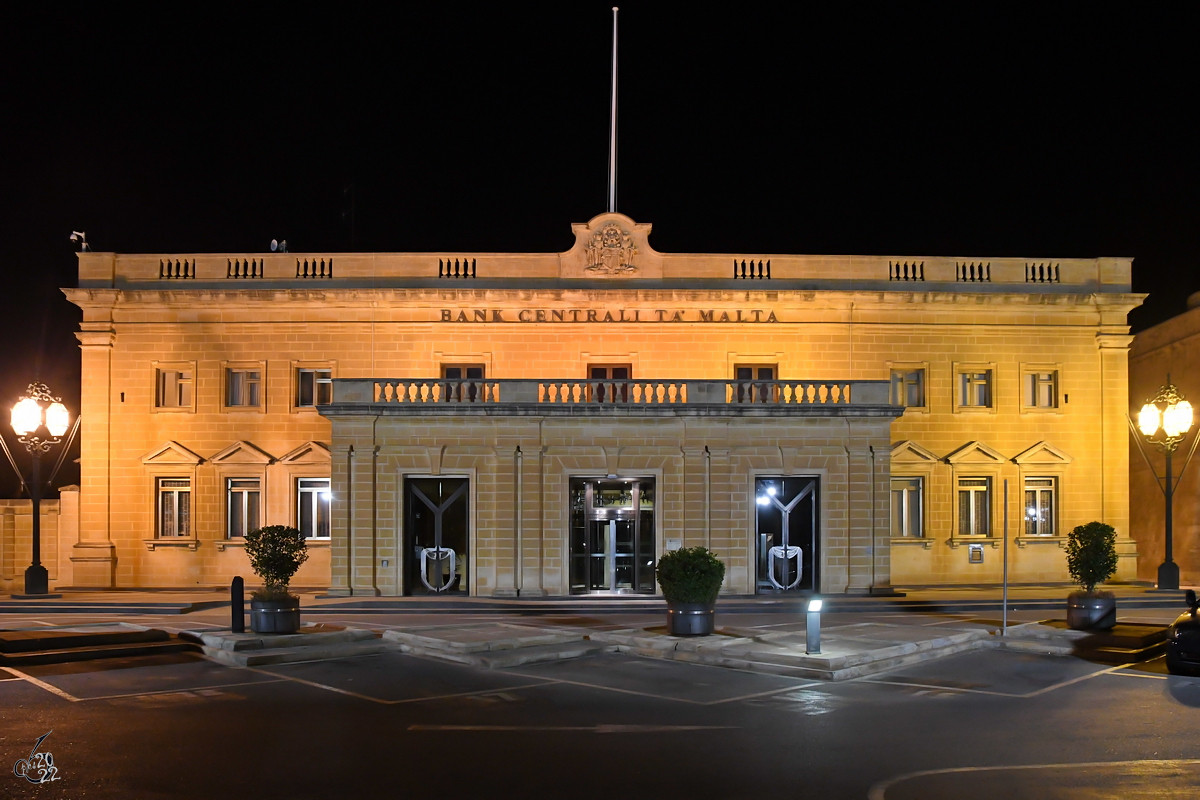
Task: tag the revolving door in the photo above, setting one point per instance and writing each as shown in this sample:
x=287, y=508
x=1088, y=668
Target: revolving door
x=612, y=536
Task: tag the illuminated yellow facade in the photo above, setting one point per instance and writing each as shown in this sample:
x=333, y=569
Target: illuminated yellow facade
x=594, y=408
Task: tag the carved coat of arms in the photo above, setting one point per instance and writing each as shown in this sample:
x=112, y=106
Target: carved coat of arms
x=610, y=251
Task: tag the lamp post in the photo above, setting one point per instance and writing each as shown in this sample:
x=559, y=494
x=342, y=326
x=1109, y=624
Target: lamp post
x=1169, y=414
x=36, y=410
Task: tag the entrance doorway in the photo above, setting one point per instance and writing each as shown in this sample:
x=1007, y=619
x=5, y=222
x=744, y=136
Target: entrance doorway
x=786, y=534
x=612, y=536
x=436, y=535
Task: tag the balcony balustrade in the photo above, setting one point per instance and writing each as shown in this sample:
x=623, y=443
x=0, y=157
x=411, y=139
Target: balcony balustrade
x=488, y=395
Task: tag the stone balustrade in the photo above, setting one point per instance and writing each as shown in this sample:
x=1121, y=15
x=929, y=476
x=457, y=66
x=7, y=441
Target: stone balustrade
x=573, y=392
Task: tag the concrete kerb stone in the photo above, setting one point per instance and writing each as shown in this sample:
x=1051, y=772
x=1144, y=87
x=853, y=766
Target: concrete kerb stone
x=315, y=644
x=481, y=637
x=842, y=658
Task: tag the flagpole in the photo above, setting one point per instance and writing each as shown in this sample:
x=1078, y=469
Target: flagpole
x=612, y=130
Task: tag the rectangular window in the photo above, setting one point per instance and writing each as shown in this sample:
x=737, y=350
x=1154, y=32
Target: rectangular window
x=312, y=513
x=1041, y=389
x=314, y=387
x=243, y=387
x=974, y=506
x=975, y=389
x=244, y=503
x=1039, y=506
x=603, y=385
x=460, y=383
x=906, y=507
x=756, y=392
x=174, y=389
x=908, y=388
x=174, y=507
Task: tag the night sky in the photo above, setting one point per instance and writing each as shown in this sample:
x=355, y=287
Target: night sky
x=462, y=127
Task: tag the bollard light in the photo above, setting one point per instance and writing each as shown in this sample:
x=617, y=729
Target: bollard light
x=812, y=630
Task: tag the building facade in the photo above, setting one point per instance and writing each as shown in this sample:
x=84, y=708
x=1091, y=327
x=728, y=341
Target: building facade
x=1168, y=352
x=551, y=423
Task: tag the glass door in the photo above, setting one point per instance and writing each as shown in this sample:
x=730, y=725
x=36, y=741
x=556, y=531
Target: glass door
x=786, y=534
x=612, y=536
x=436, y=536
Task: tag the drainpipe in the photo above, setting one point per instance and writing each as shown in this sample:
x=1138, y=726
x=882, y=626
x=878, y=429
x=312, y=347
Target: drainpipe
x=873, y=479
x=350, y=519
x=518, y=566
x=707, y=498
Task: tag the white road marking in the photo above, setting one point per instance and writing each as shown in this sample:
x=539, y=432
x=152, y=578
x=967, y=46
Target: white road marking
x=1142, y=675
x=939, y=688
x=1034, y=693
x=380, y=701
x=42, y=684
x=1077, y=680
x=576, y=728
x=176, y=691
x=879, y=790
x=764, y=694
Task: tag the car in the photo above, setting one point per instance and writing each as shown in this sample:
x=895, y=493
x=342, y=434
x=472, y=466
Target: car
x=1183, y=640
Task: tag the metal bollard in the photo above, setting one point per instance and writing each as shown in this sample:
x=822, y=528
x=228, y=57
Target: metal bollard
x=237, y=605
x=812, y=630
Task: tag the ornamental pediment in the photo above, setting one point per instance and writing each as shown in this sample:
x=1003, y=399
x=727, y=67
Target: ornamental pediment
x=307, y=453
x=910, y=452
x=171, y=453
x=1042, y=453
x=611, y=246
x=242, y=452
x=975, y=453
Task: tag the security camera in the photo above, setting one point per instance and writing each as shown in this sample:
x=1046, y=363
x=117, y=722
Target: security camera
x=81, y=238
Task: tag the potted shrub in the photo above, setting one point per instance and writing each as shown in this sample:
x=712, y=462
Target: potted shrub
x=276, y=552
x=690, y=579
x=1091, y=560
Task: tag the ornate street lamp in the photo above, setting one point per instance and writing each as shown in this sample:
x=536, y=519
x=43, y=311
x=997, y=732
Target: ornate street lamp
x=1168, y=414
x=36, y=410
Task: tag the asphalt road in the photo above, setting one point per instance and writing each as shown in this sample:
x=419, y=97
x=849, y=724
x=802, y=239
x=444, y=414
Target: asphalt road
x=986, y=724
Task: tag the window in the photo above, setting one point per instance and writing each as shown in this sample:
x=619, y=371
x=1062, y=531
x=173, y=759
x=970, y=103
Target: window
x=314, y=387
x=174, y=507
x=244, y=504
x=756, y=392
x=974, y=506
x=174, y=388
x=750, y=372
x=1041, y=389
x=312, y=513
x=1039, y=506
x=243, y=387
x=975, y=388
x=908, y=388
x=906, y=507
x=615, y=392
x=468, y=390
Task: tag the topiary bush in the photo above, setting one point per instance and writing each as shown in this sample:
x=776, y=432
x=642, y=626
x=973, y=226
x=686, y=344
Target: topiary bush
x=1091, y=554
x=276, y=552
x=690, y=575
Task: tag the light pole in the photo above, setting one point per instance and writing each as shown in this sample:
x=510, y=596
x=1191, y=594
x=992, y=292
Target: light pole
x=38, y=409
x=1170, y=414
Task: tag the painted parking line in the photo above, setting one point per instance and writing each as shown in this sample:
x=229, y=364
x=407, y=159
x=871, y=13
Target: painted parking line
x=1034, y=693
x=879, y=790
x=575, y=728
x=382, y=702
x=177, y=691
x=41, y=684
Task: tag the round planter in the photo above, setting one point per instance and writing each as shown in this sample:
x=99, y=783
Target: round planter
x=1091, y=613
x=275, y=616
x=690, y=619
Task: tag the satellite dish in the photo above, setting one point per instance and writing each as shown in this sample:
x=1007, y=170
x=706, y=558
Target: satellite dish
x=274, y=245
